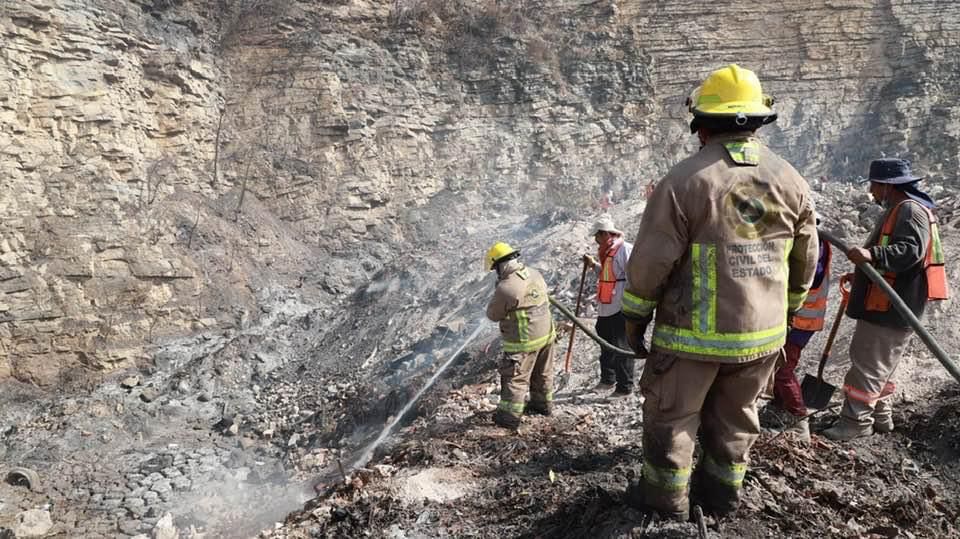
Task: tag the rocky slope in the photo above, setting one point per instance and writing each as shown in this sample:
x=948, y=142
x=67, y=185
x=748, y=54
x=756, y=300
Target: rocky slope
x=274, y=209
x=159, y=158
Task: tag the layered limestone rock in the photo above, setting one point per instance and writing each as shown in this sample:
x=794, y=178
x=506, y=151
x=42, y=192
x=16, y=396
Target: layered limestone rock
x=166, y=164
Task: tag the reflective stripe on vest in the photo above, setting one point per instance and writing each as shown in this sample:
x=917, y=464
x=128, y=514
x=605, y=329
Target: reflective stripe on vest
x=933, y=263
x=814, y=310
x=702, y=337
x=666, y=478
x=608, y=278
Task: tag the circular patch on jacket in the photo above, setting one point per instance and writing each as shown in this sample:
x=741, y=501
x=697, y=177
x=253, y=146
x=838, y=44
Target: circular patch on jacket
x=749, y=209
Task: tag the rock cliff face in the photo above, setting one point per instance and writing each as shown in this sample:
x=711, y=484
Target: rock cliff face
x=166, y=165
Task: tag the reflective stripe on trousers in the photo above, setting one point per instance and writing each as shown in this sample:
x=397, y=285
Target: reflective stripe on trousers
x=510, y=406
x=666, y=478
x=731, y=474
x=860, y=395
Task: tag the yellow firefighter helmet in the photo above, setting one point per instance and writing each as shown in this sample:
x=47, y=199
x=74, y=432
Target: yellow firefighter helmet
x=730, y=91
x=494, y=254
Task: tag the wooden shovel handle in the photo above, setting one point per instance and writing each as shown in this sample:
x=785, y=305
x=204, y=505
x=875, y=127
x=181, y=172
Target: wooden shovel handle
x=576, y=312
x=833, y=335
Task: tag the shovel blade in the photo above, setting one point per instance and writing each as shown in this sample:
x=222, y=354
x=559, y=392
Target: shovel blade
x=562, y=382
x=816, y=392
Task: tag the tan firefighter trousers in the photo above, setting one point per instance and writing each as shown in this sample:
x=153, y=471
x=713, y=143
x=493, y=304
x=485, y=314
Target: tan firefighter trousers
x=522, y=371
x=682, y=397
x=875, y=352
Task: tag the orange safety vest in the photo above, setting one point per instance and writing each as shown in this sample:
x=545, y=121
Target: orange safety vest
x=933, y=264
x=814, y=309
x=608, y=278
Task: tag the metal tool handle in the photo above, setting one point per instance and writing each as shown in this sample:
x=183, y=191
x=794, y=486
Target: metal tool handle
x=567, y=359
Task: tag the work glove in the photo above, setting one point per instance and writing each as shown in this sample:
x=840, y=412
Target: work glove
x=636, y=328
x=590, y=261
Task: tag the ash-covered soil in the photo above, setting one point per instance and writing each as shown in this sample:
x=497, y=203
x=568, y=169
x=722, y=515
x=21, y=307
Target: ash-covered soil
x=456, y=475
x=225, y=434
x=451, y=473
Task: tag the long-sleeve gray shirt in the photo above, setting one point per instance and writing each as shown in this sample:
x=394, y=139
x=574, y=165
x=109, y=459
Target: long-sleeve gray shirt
x=903, y=255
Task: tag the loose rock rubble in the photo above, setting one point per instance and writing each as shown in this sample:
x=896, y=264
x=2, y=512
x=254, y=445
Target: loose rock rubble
x=563, y=476
x=224, y=350
x=245, y=426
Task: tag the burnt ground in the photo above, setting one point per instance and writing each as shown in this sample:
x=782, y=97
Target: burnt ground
x=450, y=473
x=563, y=476
x=226, y=432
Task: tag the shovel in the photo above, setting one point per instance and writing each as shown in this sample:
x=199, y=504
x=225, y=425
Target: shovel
x=816, y=392
x=565, y=377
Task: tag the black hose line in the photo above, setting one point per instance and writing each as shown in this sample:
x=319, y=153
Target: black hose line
x=590, y=332
x=867, y=269
x=900, y=306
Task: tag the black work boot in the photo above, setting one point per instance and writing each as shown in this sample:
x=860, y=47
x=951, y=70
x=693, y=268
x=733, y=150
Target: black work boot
x=633, y=496
x=715, y=498
x=539, y=408
x=636, y=497
x=506, y=420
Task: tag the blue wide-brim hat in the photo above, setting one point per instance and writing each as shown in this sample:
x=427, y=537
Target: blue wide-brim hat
x=892, y=171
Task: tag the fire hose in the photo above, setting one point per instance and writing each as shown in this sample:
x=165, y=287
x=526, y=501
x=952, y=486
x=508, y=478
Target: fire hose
x=867, y=269
x=901, y=308
x=590, y=332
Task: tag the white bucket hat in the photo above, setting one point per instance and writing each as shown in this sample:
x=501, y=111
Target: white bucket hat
x=605, y=224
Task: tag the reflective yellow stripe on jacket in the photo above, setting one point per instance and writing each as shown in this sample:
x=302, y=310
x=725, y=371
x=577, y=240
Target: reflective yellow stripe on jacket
x=636, y=307
x=702, y=337
x=512, y=347
x=524, y=342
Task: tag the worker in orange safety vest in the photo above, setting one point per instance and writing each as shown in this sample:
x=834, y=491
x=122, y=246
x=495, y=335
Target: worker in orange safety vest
x=906, y=249
x=616, y=370
x=805, y=322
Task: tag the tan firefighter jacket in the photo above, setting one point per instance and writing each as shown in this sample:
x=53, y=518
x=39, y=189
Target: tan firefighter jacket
x=727, y=247
x=521, y=306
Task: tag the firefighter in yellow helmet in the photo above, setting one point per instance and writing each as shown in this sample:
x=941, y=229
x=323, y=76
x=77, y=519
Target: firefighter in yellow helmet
x=725, y=254
x=521, y=307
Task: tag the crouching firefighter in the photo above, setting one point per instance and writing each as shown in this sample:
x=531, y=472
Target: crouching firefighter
x=521, y=306
x=726, y=250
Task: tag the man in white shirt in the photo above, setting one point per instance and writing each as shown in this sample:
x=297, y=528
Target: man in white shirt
x=616, y=370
